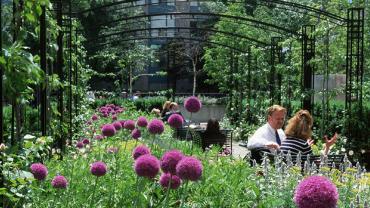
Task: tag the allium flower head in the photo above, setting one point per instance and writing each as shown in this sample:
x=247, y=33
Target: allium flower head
x=117, y=125
x=142, y=121
x=175, y=120
x=189, y=168
x=59, y=182
x=79, y=145
x=156, y=126
x=114, y=117
x=86, y=141
x=169, y=161
x=99, y=137
x=39, y=171
x=112, y=150
x=316, y=192
x=136, y=133
x=192, y=104
x=108, y=130
x=89, y=122
x=139, y=151
x=129, y=124
x=98, y=168
x=165, y=181
x=122, y=123
x=94, y=117
x=147, y=166
x=105, y=115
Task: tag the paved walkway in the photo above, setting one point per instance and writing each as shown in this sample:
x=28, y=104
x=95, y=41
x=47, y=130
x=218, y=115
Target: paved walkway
x=239, y=151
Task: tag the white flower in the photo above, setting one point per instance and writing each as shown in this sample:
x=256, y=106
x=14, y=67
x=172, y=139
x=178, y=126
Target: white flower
x=363, y=151
x=350, y=152
x=342, y=149
x=28, y=137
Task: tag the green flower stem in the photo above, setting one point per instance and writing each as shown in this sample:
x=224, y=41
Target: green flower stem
x=184, y=193
x=94, y=189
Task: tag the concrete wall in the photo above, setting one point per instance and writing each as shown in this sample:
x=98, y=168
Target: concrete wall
x=207, y=112
x=336, y=81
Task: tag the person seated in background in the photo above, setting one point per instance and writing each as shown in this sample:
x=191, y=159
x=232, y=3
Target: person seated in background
x=173, y=109
x=269, y=136
x=299, y=132
x=212, y=134
x=165, y=108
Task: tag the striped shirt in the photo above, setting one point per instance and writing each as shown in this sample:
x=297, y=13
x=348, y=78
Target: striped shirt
x=295, y=145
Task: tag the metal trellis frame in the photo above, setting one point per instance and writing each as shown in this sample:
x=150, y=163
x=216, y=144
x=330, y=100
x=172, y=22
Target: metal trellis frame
x=275, y=77
x=308, y=68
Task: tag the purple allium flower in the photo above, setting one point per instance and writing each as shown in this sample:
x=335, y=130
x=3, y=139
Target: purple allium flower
x=129, y=124
x=142, y=121
x=108, y=130
x=98, y=168
x=122, y=123
x=189, y=168
x=147, y=166
x=112, y=150
x=79, y=145
x=39, y=171
x=117, y=125
x=89, y=122
x=136, y=133
x=86, y=141
x=114, y=117
x=94, y=117
x=156, y=126
x=175, y=120
x=59, y=182
x=165, y=181
x=99, y=137
x=139, y=151
x=316, y=192
x=105, y=115
x=192, y=104
x=169, y=161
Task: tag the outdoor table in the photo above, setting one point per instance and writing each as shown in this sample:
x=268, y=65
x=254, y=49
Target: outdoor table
x=184, y=133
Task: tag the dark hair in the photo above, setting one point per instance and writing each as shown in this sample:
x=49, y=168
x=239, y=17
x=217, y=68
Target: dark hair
x=213, y=125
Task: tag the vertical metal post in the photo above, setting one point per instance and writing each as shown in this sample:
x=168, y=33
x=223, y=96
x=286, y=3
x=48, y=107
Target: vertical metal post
x=1, y=79
x=70, y=70
x=59, y=68
x=76, y=74
x=43, y=67
x=275, y=78
x=308, y=69
x=354, y=57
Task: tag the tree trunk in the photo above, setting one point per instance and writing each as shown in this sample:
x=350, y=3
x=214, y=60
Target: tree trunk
x=194, y=78
x=130, y=77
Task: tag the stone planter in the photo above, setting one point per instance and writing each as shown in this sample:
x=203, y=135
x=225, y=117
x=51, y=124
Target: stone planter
x=205, y=113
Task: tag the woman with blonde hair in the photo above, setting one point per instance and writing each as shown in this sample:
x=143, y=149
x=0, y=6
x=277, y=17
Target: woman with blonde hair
x=299, y=132
x=165, y=108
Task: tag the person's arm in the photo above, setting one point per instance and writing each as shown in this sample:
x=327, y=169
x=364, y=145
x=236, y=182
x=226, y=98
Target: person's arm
x=329, y=142
x=260, y=139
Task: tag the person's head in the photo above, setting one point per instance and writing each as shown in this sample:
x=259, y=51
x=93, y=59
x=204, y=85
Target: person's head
x=166, y=105
x=213, y=125
x=174, y=106
x=276, y=116
x=299, y=126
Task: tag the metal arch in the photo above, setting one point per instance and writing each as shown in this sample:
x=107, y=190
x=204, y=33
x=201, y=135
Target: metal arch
x=210, y=14
x=166, y=37
x=129, y=23
x=308, y=8
x=181, y=28
x=291, y=4
x=283, y=3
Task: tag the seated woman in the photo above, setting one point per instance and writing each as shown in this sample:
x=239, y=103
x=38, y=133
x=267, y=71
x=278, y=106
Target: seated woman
x=213, y=135
x=165, y=108
x=298, y=133
x=174, y=108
